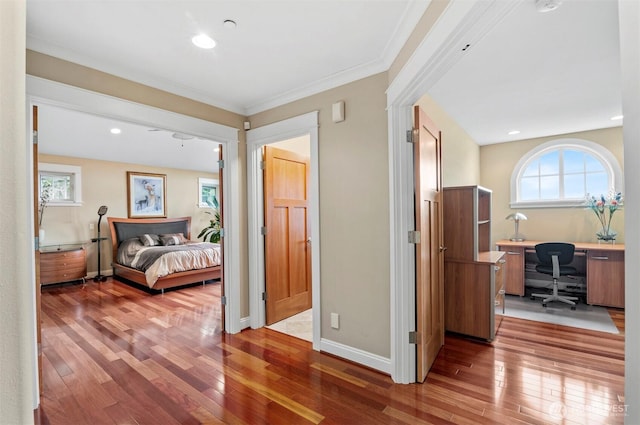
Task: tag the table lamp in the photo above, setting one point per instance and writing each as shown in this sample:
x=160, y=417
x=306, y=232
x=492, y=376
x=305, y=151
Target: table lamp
x=516, y=217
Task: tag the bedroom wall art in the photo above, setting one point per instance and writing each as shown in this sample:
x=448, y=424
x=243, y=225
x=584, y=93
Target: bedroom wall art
x=146, y=195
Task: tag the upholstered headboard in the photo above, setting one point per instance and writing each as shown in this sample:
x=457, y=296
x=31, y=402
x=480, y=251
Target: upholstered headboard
x=126, y=228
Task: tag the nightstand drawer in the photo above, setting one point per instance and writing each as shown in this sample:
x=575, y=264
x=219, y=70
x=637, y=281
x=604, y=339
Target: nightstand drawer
x=62, y=266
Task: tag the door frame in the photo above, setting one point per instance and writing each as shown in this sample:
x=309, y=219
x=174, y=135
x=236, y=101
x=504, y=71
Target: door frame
x=42, y=91
x=302, y=125
x=462, y=21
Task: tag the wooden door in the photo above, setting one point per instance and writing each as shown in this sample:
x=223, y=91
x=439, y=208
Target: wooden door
x=429, y=251
x=36, y=227
x=287, y=248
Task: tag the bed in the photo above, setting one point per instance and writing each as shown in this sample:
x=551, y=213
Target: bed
x=178, y=261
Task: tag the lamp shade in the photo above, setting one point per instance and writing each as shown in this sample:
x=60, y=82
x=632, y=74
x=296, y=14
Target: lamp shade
x=516, y=217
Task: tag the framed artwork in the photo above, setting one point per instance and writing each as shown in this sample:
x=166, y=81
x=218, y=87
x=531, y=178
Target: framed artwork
x=146, y=195
x=207, y=192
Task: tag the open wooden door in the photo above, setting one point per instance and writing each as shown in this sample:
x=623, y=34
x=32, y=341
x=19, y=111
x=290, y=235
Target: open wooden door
x=287, y=248
x=36, y=227
x=429, y=255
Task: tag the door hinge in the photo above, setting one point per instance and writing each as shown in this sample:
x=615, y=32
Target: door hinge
x=263, y=230
x=264, y=296
x=412, y=135
x=414, y=337
x=263, y=165
x=223, y=300
x=414, y=236
x=221, y=163
x=35, y=137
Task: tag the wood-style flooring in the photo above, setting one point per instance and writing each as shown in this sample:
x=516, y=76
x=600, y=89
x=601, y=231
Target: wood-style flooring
x=116, y=355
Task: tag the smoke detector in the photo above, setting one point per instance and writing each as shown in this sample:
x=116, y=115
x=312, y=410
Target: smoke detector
x=543, y=6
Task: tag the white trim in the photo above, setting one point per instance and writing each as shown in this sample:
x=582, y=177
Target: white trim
x=362, y=357
x=594, y=149
x=306, y=124
x=41, y=91
x=462, y=20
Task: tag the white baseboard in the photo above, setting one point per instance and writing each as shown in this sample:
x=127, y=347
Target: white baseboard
x=245, y=322
x=365, y=358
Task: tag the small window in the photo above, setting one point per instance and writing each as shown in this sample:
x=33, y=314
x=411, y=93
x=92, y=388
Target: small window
x=62, y=183
x=561, y=173
x=208, y=193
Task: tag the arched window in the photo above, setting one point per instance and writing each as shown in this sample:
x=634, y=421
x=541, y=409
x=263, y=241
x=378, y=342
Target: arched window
x=561, y=173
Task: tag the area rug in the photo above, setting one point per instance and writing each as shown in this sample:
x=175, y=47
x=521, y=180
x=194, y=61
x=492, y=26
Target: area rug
x=584, y=316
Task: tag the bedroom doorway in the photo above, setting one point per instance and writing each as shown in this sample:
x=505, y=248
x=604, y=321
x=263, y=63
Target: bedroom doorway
x=47, y=93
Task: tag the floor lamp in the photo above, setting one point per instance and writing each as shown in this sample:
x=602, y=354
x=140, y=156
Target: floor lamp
x=101, y=211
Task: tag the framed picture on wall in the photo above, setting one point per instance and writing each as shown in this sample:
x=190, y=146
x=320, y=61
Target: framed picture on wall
x=146, y=195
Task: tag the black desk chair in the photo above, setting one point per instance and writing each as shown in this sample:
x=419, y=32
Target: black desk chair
x=553, y=259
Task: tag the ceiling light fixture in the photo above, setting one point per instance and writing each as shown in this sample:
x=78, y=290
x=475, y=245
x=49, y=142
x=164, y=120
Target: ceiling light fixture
x=115, y=131
x=229, y=23
x=617, y=118
x=203, y=41
x=513, y=132
x=182, y=136
x=543, y=6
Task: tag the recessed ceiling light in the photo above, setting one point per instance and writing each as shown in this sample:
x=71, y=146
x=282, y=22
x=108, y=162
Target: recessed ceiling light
x=204, y=41
x=115, y=131
x=229, y=23
x=617, y=117
x=513, y=132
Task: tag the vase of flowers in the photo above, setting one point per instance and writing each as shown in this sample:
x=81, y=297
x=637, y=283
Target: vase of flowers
x=604, y=207
x=45, y=197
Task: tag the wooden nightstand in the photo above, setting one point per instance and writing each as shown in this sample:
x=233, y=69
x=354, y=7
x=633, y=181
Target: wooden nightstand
x=62, y=263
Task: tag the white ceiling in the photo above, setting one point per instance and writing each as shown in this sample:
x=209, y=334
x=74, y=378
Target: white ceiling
x=540, y=73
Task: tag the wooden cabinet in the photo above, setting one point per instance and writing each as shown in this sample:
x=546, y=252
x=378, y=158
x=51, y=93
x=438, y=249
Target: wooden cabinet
x=473, y=275
x=514, y=274
x=62, y=265
x=605, y=278
x=473, y=290
x=466, y=221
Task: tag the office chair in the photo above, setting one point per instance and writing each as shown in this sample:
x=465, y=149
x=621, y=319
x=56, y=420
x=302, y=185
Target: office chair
x=553, y=259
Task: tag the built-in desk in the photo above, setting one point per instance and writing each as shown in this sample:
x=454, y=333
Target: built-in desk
x=603, y=269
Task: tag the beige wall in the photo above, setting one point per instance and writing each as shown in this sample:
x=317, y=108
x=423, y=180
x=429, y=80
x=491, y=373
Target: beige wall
x=460, y=153
x=564, y=224
x=354, y=210
x=104, y=183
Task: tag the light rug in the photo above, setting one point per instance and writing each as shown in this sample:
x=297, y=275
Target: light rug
x=584, y=316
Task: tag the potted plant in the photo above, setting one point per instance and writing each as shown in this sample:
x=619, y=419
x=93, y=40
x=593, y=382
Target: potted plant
x=211, y=233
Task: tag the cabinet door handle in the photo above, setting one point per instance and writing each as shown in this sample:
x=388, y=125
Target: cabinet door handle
x=496, y=302
x=599, y=258
x=502, y=292
x=513, y=253
x=496, y=268
x=443, y=248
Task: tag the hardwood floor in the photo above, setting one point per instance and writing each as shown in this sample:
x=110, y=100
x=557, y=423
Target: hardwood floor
x=116, y=355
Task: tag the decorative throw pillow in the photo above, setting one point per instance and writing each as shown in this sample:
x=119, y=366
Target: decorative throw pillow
x=149, y=239
x=172, y=239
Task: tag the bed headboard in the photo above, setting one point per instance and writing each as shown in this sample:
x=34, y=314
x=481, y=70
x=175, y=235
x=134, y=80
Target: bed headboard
x=126, y=228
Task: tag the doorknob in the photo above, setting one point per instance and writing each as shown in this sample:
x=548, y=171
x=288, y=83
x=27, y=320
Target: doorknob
x=443, y=248
x=309, y=240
